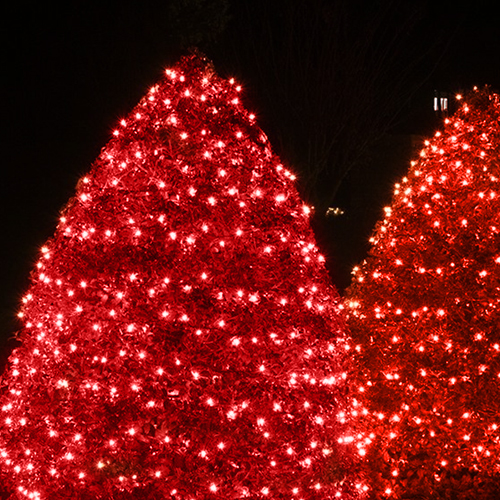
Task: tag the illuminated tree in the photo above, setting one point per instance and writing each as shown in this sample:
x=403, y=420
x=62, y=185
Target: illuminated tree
x=424, y=311
x=181, y=338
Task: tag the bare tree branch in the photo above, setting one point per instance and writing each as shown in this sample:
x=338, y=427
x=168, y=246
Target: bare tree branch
x=332, y=78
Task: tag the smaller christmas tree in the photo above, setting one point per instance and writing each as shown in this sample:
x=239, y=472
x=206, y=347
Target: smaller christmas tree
x=181, y=337
x=424, y=311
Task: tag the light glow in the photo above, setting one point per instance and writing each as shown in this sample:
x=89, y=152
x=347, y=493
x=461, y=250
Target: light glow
x=426, y=305
x=167, y=341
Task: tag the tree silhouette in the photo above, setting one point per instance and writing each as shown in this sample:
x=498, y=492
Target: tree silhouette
x=424, y=312
x=331, y=78
x=180, y=336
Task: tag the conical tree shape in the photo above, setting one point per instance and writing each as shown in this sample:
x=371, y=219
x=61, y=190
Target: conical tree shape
x=181, y=337
x=424, y=311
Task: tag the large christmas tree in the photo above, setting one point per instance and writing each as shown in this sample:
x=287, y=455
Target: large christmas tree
x=424, y=311
x=181, y=338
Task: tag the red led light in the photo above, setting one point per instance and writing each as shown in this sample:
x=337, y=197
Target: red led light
x=180, y=299
x=426, y=305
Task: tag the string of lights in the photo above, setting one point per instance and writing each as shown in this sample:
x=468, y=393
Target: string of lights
x=181, y=336
x=423, y=311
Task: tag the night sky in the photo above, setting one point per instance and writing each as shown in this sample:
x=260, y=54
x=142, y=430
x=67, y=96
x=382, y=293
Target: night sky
x=72, y=70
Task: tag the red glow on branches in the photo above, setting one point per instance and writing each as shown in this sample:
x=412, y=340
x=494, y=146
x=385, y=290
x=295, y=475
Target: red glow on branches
x=180, y=330
x=426, y=306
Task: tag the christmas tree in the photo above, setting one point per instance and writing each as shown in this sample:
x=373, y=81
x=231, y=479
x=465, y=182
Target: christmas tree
x=424, y=310
x=181, y=338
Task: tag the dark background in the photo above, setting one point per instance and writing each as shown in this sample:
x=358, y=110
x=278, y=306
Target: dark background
x=70, y=71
